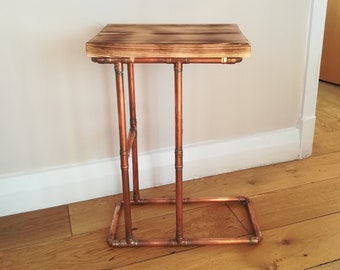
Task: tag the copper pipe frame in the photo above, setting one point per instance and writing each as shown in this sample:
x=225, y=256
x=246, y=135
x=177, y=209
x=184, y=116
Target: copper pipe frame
x=128, y=144
x=181, y=241
x=221, y=60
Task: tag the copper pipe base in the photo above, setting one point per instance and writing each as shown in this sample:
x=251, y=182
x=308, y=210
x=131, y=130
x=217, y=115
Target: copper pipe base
x=119, y=243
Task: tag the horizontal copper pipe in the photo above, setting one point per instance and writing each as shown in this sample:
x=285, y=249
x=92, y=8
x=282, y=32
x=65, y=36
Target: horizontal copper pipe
x=219, y=60
x=240, y=199
x=184, y=242
x=215, y=199
x=155, y=201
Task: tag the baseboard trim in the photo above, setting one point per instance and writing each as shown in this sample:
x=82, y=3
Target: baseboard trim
x=307, y=127
x=63, y=185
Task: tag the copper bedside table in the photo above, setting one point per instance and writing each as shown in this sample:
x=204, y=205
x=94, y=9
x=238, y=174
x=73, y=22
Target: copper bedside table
x=175, y=44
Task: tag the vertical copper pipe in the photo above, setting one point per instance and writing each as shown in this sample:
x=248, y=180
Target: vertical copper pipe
x=178, y=67
x=124, y=163
x=133, y=126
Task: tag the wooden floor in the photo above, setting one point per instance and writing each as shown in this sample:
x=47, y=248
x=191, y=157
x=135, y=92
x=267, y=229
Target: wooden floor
x=297, y=205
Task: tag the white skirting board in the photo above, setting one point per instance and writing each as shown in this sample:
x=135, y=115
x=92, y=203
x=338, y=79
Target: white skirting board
x=63, y=185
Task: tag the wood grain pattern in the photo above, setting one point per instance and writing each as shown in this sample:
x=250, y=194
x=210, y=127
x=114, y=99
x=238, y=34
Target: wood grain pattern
x=330, y=65
x=169, y=41
x=289, y=235
x=310, y=201
x=333, y=265
x=97, y=214
x=34, y=227
x=289, y=247
x=327, y=130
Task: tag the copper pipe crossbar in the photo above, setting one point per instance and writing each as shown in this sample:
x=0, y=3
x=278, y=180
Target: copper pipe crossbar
x=222, y=60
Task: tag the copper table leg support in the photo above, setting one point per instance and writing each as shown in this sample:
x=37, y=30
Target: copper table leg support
x=255, y=238
x=133, y=129
x=178, y=67
x=124, y=155
x=128, y=143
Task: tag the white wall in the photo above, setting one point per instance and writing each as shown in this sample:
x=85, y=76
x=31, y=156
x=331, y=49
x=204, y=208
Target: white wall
x=57, y=108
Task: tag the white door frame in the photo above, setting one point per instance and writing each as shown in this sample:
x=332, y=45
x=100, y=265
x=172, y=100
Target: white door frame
x=313, y=60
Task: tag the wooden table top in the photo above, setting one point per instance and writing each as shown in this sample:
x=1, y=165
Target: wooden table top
x=135, y=41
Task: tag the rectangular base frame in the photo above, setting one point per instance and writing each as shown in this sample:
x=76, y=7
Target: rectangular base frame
x=252, y=239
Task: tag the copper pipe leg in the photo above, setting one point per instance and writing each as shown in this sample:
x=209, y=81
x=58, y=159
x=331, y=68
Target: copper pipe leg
x=124, y=163
x=133, y=127
x=178, y=67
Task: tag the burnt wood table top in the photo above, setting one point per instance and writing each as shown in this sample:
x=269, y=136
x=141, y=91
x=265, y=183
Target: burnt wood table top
x=141, y=41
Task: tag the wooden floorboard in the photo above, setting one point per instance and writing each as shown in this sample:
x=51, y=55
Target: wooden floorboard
x=90, y=251
x=297, y=205
x=297, y=246
x=327, y=142
x=34, y=227
x=97, y=214
x=327, y=130
x=332, y=265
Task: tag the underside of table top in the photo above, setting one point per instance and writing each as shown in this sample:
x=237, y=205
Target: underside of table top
x=141, y=41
